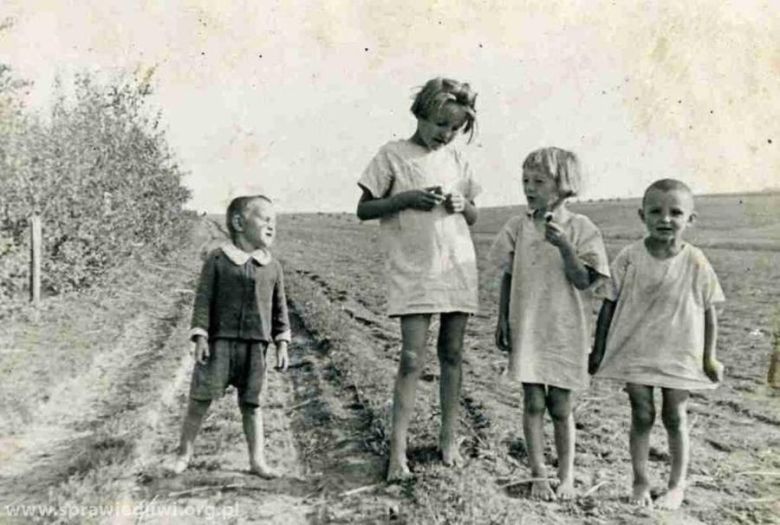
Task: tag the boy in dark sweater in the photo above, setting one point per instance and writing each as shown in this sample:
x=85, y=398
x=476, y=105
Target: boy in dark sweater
x=240, y=308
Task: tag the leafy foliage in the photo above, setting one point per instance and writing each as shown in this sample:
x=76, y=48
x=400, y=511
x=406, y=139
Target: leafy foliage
x=99, y=172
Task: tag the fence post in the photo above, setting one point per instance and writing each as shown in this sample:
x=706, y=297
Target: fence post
x=35, y=260
x=773, y=375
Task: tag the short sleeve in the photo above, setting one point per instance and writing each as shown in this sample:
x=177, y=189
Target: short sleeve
x=590, y=249
x=708, y=283
x=471, y=188
x=610, y=288
x=378, y=176
x=502, y=252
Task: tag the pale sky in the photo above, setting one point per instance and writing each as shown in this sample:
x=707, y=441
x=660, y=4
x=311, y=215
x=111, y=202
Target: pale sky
x=292, y=99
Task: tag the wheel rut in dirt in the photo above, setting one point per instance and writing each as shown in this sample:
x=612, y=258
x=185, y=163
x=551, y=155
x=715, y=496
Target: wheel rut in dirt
x=333, y=427
x=77, y=429
x=374, y=330
x=318, y=434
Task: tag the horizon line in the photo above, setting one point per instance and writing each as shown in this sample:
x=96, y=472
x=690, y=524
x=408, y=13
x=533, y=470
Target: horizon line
x=766, y=191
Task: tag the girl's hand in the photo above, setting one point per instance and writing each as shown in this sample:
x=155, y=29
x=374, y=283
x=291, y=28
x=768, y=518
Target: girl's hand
x=714, y=370
x=201, y=350
x=555, y=235
x=419, y=199
x=281, y=356
x=503, y=340
x=455, y=202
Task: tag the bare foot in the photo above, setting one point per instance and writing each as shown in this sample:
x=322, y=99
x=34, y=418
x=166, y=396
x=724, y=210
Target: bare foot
x=180, y=465
x=263, y=470
x=398, y=472
x=542, y=490
x=671, y=499
x=565, y=490
x=641, y=496
x=450, y=453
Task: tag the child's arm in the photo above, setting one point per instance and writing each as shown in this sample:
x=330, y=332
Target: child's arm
x=457, y=203
x=280, y=322
x=370, y=207
x=470, y=212
x=203, y=297
x=712, y=367
x=602, y=329
x=578, y=274
x=199, y=328
x=503, y=337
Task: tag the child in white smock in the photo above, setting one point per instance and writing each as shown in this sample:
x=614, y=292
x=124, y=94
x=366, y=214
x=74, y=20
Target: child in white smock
x=549, y=256
x=423, y=193
x=658, y=328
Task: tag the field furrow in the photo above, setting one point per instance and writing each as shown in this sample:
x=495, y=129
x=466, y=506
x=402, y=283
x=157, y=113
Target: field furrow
x=339, y=263
x=100, y=425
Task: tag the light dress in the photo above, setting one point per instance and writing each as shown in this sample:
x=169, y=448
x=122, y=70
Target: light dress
x=431, y=264
x=656, y=337
x=550, y=321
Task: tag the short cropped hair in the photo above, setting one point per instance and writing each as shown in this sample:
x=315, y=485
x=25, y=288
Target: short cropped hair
x=666, y=185
x=439, y=91
x=238, y=206
x=562, y=165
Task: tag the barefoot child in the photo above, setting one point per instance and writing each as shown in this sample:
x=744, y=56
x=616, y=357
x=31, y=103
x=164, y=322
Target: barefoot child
x=549, y=257
x=657, y=328
x=240, y=308
x=423, y=193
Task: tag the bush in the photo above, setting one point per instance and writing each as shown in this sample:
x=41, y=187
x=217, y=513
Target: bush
x=99, y=172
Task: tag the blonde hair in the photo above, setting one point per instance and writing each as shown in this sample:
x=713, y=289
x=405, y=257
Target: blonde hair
x=439, y=91
x=561, y=165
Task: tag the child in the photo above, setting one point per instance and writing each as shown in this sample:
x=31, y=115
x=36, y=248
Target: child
x=549, y=256
x=423, y=193
x=240, y=307
x=657, y=327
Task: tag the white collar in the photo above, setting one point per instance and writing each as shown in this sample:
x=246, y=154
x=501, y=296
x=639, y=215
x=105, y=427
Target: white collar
x=239, y=257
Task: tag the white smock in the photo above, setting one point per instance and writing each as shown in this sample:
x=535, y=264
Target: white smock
x=656, y=337
x=431, y=264
x=550, y=321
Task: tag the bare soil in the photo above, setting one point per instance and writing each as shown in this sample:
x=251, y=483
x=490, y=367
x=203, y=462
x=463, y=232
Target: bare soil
x=108, y=426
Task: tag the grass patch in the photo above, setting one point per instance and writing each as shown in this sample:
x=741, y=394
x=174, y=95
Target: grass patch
x=93, y=367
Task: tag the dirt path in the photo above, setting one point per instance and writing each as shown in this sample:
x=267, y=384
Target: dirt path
x=315, y=427
x=102, y=443
x=106, y=436
x=315, y=434
x=87, y=431
x=70, y=462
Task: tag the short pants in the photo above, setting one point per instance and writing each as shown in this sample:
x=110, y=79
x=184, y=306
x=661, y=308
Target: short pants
x=234, y=362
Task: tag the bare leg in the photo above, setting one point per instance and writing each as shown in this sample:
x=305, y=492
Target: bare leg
x=674, y=414
x=414, y=332
x=252, y=419
x=559, y=406
x=196, y=411
x=450, y=350
x=533, y=427
x=642, y=418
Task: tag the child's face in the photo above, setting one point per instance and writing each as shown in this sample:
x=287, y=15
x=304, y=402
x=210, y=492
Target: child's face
x=442, y=126
x=666, y=214
x=258, y=224
x=540, y=188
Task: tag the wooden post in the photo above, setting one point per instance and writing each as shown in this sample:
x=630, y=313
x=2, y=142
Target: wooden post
x=773, y=375
x=35, y=260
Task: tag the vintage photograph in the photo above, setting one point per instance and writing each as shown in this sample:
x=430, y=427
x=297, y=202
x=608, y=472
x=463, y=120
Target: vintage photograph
x=424, y=262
